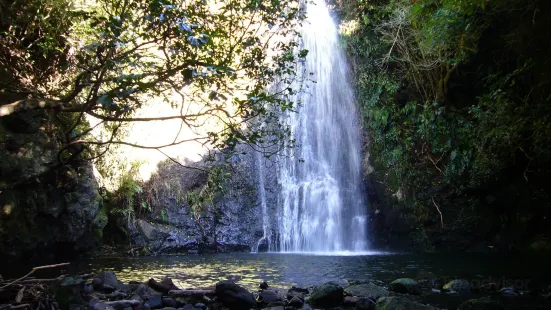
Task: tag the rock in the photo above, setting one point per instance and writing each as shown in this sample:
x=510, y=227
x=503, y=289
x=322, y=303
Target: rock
x=200, y=306
x=296, y=302
x=97, y=284
x=327, y=295
x=296, y=291
x=169, y=302
x=367, y=290
x=399, y=303
x=350, y=301
x=481, y=304
x=275, y=308
x=145, y=292
x=509, y=292
x=102, y=306
x=234, y=296
x=268, y=297
x=188, y=307
x=155, y=302
x=365, y=303
x=405, y=286
x=164, y=286
x=108, y=278
x=275, y=304
x=263, y=285
x=459, y=286
x=70, y=291
x=108, y=288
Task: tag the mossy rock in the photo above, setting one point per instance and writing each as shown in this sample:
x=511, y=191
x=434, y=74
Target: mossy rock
x=327, y=295
x=405, y=286
x=395, y=303
x=460, y=286
x=367, y=290
x=481, y=304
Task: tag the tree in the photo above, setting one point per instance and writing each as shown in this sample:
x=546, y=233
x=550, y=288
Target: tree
x=234, y=61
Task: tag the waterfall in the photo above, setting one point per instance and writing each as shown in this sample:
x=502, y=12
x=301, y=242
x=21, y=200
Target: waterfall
x=261, y=190
x=322, y=208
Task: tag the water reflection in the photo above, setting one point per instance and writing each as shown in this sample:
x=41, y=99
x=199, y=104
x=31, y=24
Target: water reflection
x=284, y=270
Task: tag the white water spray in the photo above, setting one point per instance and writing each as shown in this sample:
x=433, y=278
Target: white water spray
x=322, y=208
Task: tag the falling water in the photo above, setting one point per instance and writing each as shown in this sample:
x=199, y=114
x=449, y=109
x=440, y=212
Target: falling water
x=322, y=208
x=266, y=233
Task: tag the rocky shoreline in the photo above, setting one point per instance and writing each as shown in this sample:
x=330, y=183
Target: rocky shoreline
x=103, y=291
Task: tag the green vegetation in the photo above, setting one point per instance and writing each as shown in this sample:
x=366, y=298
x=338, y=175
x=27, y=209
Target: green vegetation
x=455, y=97
x=103, y=61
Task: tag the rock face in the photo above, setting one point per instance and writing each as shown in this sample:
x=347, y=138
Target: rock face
x=58, y=215
x=398, y=303
x=234, y=296
x=405, y=286
x=327, y=295
x=232, y=223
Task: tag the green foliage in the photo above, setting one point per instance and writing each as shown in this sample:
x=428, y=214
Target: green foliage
x=199, y=199
x=450, y=96
x=128, y=193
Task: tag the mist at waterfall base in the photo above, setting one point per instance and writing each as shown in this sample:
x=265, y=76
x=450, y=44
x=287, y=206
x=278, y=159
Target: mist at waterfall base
x=321, y=208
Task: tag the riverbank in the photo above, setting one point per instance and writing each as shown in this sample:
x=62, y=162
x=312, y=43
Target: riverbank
x=104, y=291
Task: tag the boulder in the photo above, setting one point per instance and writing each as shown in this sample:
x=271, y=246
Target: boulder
x=399, y=303
x=155, y=302
x=481, y=304
x=169, y=302
x=234, y=296
x=367, y=290
x=327, y=295
x=459, y=286
x=296, y=302
x=365, y=303
x=108, y=278
x=263, y=285
x=269, y=296
x=405, y=286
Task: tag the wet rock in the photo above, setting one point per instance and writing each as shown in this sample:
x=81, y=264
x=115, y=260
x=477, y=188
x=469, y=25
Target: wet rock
x=263, y=285
x=350, y=301
x=145, y=292
x=394, y=303
x=481, y=304
x=268, y=296
x=155, y=302
x=200, y=306
x=459, y=286
x=509, y=292
x=405, y=286
x=367, y=290
x=108, y=278
x=108, y=288
x=169, y=302
x=69, y=291
x=365, y=303
x=296, y=302
x=275, y=308
x=102, y=306
x=97, y=284
x=234, y=296
x=326, y=296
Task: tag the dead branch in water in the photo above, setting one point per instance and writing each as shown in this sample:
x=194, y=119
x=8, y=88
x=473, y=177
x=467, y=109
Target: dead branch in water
x=33, y=271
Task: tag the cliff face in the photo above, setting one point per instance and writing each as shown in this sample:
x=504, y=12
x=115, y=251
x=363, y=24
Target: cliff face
x=233, y=221
x=50, y=213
